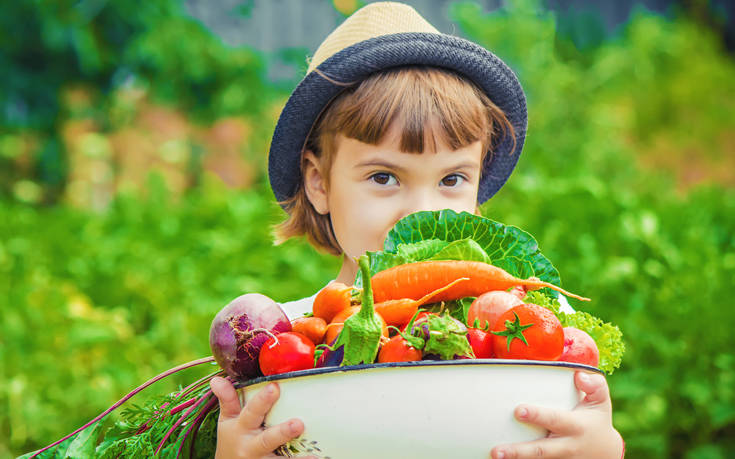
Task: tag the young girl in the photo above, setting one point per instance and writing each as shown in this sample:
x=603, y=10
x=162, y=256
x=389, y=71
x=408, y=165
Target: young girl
x=394, y=117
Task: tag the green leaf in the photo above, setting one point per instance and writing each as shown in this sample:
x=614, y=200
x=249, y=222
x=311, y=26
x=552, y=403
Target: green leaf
x=421, y=250
x=464, y=249
x=84, y=443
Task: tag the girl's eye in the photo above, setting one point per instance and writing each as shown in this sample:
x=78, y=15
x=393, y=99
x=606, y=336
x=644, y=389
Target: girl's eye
x=452, y=180
x=383, y=178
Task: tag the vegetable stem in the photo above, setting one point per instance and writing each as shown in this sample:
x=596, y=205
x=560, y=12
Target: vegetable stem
x=367, y=310
x=182, y=419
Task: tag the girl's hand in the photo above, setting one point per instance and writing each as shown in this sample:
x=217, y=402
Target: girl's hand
x=586, y=431
x=239, y=431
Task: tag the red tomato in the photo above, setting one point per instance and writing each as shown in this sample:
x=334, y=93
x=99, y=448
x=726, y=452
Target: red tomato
x=331, y=300
x=398, y=350
x=579, y=347
x=528, y=332
x=290, y=351
x=488, y=307
x=481, y=342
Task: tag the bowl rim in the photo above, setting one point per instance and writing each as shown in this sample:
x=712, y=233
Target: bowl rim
x=419, y=363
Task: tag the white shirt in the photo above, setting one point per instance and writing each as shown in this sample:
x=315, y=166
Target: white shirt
x=297, y=308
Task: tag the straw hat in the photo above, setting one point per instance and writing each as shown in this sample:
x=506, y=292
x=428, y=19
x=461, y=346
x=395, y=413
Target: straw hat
x=378, y=36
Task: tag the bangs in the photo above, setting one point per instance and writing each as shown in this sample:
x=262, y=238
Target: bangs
x=427, y=104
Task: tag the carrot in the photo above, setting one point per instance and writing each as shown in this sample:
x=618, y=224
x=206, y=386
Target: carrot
x=313, y=328
x=415, y=280
x=399, y=312
x=331, y=300
x=336, y=325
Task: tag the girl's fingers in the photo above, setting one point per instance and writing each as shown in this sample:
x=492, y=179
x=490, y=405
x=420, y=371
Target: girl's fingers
x=547, y=447
x=229, y=403
x=595, y=386
x=253, y=414
x=557, y=422
x=275, y=436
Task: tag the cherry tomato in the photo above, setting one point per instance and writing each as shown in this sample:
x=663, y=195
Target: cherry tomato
x=481, y=342
x=289, y=351
x=398, y=350
x=529, y=332
x=579, y=347
x=331, y=300
x=488, y=307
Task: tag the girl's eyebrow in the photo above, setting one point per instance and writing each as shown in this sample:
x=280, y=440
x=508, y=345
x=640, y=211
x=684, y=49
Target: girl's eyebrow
x=462, y=166
x=381, y=163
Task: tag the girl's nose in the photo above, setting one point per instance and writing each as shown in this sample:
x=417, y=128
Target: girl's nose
x=423, y=200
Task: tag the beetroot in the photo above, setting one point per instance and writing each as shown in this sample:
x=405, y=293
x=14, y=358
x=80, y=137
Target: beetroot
x=240, y=329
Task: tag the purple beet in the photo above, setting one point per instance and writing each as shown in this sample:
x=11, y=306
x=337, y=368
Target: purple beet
x=240, y=329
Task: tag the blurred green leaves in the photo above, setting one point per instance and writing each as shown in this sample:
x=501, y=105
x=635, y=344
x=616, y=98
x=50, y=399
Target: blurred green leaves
x=97, y=304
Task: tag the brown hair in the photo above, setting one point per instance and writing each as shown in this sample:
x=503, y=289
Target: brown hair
x=422, y=100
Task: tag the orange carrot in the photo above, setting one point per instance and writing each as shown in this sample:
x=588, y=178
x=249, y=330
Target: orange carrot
x=399, y=312
x=313, y=328
x=331, y=300
x=415, y=280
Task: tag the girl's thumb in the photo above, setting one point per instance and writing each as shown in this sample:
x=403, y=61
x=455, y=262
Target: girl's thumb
x=595, y=388
x=229, y=403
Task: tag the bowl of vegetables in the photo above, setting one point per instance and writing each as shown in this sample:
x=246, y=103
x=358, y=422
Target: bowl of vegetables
x=429, y=409
x=428, y=353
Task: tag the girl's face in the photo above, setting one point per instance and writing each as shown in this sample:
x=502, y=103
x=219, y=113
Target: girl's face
x=371, y=187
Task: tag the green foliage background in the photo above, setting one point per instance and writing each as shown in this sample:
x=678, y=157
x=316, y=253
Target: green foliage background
x=624, y=181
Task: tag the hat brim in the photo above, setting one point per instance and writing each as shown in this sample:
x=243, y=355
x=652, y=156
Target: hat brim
x=358, y=61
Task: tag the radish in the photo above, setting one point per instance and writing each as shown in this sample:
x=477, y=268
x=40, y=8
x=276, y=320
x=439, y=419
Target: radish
x=579, y=347
x=489, y=306
x=240, y=329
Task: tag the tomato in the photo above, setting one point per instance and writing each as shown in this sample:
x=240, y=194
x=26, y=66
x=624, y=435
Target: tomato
x=398, y=350
x=579, y=347
x=481, y=342
x=529, y=332
x=488, y=307
x=289, y=351
x=331, y=300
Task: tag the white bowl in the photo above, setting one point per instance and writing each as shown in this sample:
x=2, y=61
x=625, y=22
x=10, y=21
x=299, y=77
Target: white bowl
x=426, y=409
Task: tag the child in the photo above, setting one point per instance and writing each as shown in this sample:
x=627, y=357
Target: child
x=384, y=125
